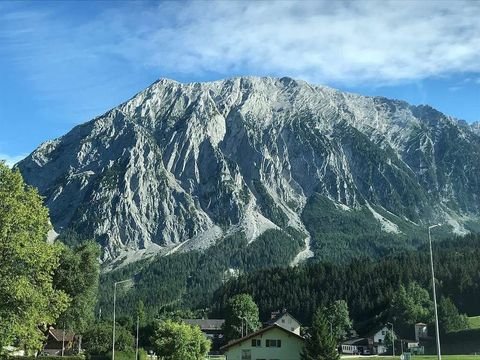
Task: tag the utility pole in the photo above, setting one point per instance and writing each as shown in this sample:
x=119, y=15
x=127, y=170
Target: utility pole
x=437, y=330
x=63, y=339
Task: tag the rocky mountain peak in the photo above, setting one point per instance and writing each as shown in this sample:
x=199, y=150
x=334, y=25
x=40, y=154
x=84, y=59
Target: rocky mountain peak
x=180, y=166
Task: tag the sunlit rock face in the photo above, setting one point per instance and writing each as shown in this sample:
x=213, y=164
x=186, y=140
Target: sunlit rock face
x=179, y=166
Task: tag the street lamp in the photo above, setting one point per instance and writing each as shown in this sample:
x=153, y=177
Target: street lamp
x=114, y=301
x=393, y=338
x=439, y=356
x=136, y=342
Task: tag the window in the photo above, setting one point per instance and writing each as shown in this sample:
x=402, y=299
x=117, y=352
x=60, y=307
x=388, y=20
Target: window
x=292, y=329
x=273, y=343
x=256, y=342
x=246, y=355
x=283, y=321
x=383, y=332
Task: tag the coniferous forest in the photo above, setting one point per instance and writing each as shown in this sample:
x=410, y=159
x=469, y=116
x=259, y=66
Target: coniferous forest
x=188, y=281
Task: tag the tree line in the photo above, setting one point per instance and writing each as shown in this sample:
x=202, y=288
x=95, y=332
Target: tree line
x=367, y=286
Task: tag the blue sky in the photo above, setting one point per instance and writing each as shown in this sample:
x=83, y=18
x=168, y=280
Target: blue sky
x=63, y=63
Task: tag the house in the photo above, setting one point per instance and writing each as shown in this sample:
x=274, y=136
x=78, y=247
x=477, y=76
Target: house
x=211, y=328
x=355, y=346
x=421, y=331
x=285, y=320
x=271, y=342
x=58, y=339
x=376, y=340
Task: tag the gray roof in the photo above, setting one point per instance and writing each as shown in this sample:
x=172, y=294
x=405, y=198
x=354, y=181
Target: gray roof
x=356, y=341
x=206, y=324
x=59, y=335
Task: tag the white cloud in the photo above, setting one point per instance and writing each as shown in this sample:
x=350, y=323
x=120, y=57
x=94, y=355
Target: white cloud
x=356, y=41
x=350, y=42
x=11, y=160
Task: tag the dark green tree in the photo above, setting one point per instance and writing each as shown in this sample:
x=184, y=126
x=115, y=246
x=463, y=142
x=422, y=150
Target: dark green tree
x=97, y=340
x=390, y=339
x=27, y=262
x=449, y=317
x=241, y=316
x=412, y=304
x=339, y=319
x=141, y=313
x=177, y=341
x=320, y=343
x=78, y=276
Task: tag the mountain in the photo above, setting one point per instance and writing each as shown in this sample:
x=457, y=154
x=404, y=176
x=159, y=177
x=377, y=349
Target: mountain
x=476, y=127
x=182, y=167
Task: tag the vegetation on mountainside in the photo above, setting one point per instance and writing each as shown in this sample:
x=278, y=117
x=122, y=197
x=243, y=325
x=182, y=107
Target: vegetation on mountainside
x=342, y=235
x=189, y=279
x=368, y=287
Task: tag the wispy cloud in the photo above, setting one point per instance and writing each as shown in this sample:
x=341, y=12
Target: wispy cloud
x=322, y=41
x=11, y=160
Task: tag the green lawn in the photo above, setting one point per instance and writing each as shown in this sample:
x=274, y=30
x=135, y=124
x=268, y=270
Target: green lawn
x=426, y=357
x=474, y=322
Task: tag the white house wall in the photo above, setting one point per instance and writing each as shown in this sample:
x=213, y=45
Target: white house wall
x=291, y=347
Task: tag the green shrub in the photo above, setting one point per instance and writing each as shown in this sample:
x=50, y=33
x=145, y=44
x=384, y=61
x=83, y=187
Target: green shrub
x=69, y=357
x=120, y=355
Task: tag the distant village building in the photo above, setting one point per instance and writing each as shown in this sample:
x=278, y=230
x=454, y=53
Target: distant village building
x=211, y=328
x=421, y=331
x=58, y=339
x=376, y=340
x=355, y=346
x=372, y=343
x=271, y=342
x=285, y=320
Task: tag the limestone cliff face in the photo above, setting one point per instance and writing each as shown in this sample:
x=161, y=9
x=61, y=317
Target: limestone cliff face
x=181, y=165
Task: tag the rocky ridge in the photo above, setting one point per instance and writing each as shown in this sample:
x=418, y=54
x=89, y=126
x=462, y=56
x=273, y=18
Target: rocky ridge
x=180, y=166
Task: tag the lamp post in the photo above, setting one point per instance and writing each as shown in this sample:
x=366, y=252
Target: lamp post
x=437, y=333
x=114, y=302
x=393, y=338
x=136, y=347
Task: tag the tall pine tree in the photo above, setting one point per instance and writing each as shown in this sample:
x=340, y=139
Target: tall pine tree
x=320, y=343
